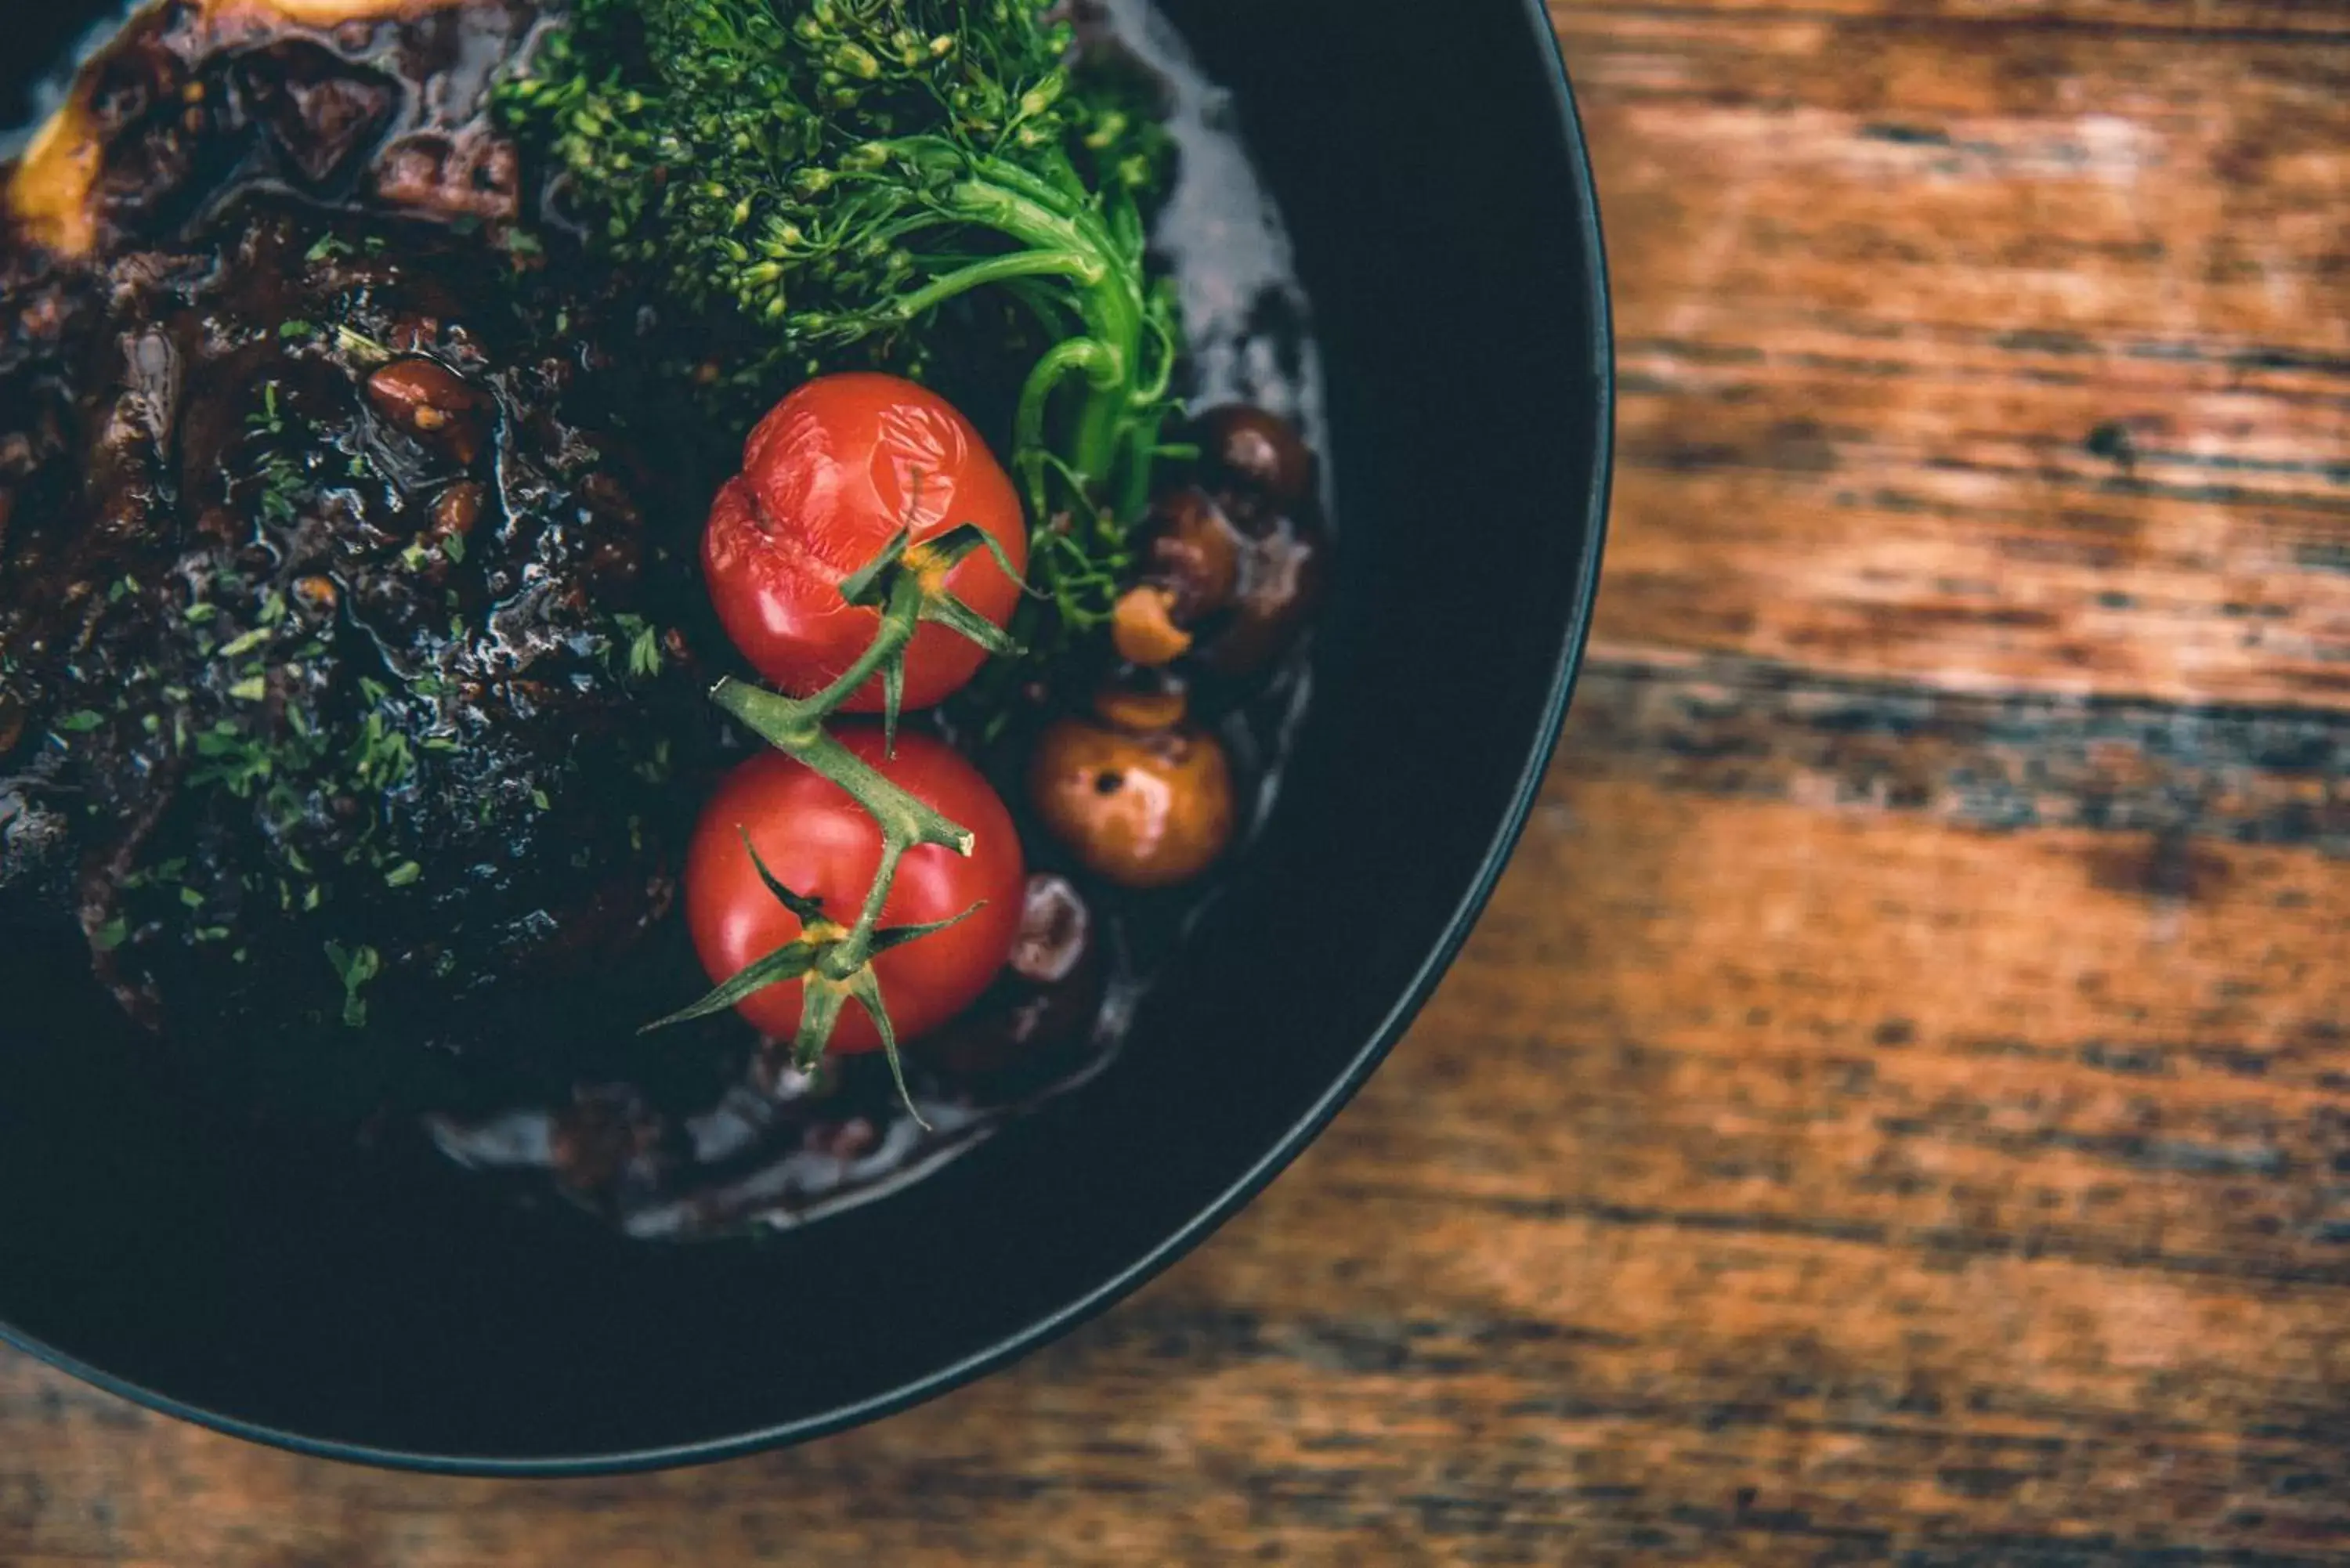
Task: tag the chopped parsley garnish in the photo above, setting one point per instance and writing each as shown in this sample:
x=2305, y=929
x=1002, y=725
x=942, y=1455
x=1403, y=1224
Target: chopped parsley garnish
x=355, y=967
x=643, y=655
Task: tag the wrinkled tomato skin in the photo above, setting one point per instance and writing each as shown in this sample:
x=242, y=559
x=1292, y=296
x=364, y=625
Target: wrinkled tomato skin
x=828, y=478
x=818, y=841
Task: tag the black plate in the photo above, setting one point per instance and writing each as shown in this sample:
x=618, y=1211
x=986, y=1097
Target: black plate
x=1436, y=181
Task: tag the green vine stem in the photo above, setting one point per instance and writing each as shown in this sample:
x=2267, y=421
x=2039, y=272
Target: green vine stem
x=834, y=963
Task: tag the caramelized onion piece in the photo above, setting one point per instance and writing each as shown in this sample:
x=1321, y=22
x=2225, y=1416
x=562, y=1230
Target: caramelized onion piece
x=1143, y=628
x=1143, y=701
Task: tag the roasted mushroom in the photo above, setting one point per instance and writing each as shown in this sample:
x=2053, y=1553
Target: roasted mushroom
x=1150, y=808
x=1254, y=461
x=1047, y=1000
x=1281, y=582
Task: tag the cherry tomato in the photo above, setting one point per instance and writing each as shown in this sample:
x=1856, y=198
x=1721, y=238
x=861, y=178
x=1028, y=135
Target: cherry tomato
x=820, y=842
x=828, y=478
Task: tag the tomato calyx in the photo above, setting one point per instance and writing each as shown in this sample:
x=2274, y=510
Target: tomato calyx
x=907, y=583
x=832, y=963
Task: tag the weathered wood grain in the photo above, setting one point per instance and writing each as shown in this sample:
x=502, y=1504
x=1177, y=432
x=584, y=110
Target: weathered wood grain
x=1995, y=356
x=2166, y=18
x=1898, y=1106
x=1665, y=1236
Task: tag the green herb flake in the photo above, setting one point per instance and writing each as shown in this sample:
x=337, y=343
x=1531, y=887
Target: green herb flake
x=200, y=612
x=81, y=721
x=110, y=936
x=281, y=487
x=297, y=328
x=252, y=689
x=359, y=346
x=655, y=769
x=355, y=967
x=407, y=873
x=269, y=419
x=192, y=898
x=538, y=798
x=643, y=660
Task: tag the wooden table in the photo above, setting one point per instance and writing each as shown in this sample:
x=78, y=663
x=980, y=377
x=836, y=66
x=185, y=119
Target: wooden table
x=1898, y=1106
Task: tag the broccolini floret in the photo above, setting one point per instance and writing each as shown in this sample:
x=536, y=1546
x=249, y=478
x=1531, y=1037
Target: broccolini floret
x=831, y=173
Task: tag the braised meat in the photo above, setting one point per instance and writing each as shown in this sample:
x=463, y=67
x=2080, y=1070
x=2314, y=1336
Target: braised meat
x=339, y=681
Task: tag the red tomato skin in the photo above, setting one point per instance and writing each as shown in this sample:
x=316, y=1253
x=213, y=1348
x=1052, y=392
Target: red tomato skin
x=818, y=841
x=828, y=477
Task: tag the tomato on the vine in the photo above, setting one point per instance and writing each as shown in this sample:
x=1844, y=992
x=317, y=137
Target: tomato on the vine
x=821, y=843
x=829, y=477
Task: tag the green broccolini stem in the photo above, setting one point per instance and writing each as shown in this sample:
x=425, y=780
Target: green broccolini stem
x=1099, y=363
x=1001, y=269
x=1115, y=416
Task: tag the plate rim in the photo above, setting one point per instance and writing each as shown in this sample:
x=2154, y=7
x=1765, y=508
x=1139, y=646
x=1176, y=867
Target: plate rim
x=1212, y=1216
